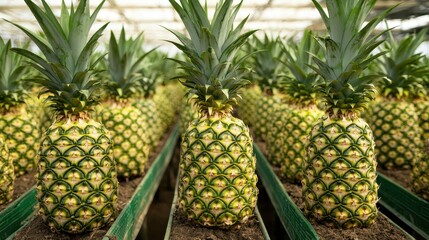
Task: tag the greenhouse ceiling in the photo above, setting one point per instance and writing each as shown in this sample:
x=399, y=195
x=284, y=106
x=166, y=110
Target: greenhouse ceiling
x=276, y=17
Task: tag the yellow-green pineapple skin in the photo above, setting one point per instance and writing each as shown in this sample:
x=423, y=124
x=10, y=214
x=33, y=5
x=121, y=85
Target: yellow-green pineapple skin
x=77, y=185
x=339, y=186
x=264, y=114
x=127, y=127
x=297, y=123
x=149, y=112
x=420, y=176
x=274, y=143
x=187, y=114
x=165, y=108
x=247, y=106
x=7, y=175
x=21, y=134
x=396, y=134
x=217, y=172
x=422, y=110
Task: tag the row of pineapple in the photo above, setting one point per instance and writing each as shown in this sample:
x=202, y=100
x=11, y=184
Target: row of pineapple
x=101, y=115
x=297, y=83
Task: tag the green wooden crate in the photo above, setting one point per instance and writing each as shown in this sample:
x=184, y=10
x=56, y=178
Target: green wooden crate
x=406, y=206
x=126, y=226
x=17, y=213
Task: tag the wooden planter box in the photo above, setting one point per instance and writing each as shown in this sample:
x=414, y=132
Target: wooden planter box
x=410, y=209
x=291, y=217
x=126, y=226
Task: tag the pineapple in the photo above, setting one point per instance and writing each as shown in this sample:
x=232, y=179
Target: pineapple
x=302, y=112
x=247, y=109
x=339, y=184
x=394, y=119
x=77, y=186
x=266, y=63
x=124, y=120
x=217, y=180
x=17, y=126
x=7, y=175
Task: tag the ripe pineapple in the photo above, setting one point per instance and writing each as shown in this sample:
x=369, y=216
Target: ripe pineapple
x=296, y=121
x=217, y=168
x=339, y=187
x=77, y=185
x=266, y=63
x=248, y=102
x=394, y=118
x=7, y=175
x=17, y=126
x=124, y=120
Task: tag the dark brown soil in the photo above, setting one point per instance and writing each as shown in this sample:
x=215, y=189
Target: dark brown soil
x=182, y=229
x=37, y=229
x=381, y=230
x=401, y=177
x=22, y=184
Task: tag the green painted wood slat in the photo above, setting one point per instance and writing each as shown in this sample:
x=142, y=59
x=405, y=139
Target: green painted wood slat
x=15, y=215
x=127, y=225
x=294, y=222
x=408, y=207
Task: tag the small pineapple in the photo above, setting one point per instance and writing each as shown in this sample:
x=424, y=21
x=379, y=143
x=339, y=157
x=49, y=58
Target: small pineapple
x=77, y=186
x=296, y=121
x=339, y=184
x=394, y=119
x=124, y=120
x=217, y=179
x=266, y=64
x=17, y=126
x=7, y=175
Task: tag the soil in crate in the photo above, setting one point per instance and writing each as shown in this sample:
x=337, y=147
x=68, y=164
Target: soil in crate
x=183, y=229
x=382, y=229
x=37, y=229
x=21, y=185
x=400, y=176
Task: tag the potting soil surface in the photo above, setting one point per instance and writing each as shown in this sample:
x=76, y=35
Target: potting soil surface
x=183, y=229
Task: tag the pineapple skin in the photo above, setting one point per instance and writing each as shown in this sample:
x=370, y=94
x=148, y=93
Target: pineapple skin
x=247, y=106
x=149, y=113
x=7, y=175
x=339, y=187
x=131, y=147
x=77, y=185
x=217, y=172
x=397, y=134
x=275, y=134
x=21, y=135
x=422, y=109
x=187, y=114
x=264, y=114
x=297, y=124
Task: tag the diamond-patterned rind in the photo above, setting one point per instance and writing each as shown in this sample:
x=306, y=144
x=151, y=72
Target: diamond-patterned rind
x=217, y=172
x=339, y=187
x=264, y=115
x=131, y=147
x=297, y=123
x=275, y=134
x=20, y=132
x=7, y=175
x=396, y=133
x=77, y=184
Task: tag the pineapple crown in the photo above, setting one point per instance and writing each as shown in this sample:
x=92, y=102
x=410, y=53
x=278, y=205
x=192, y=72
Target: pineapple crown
x=124, y=64
x=304, y=86
x=67, y=47
x=211, y=74
x=403, y=69
x=12, y=71
x=347, y=50
x=266, y=57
